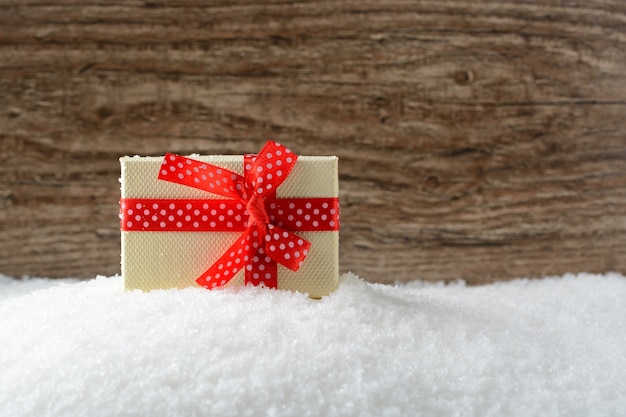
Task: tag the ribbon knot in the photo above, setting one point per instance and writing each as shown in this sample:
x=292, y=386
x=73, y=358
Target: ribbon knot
x=257, y=210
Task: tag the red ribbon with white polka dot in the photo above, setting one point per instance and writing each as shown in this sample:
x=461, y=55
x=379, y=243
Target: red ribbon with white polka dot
x=251, y=206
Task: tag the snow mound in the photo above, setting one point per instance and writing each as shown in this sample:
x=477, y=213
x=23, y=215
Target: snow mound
x=549, y=347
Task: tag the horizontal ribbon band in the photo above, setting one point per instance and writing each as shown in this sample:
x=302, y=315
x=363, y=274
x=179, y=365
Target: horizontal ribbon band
x=213, y=215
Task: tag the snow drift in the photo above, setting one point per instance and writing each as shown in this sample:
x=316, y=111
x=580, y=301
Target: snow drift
x=550, y=347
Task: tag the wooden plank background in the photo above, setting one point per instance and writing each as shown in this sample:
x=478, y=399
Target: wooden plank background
x=477, y=139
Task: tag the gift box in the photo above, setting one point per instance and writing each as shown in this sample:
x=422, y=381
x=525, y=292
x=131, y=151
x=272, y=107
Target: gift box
x=214, y=221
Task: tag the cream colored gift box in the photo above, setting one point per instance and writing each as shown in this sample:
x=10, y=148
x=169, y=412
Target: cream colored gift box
x=173, y=259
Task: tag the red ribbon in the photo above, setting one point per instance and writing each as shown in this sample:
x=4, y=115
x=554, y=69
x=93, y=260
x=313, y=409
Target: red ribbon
x=251, y=206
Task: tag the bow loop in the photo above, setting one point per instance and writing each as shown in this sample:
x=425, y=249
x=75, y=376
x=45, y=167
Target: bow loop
x=201, y=175
x=269, y=169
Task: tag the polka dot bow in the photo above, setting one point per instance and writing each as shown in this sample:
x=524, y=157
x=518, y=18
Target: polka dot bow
x=268, y=223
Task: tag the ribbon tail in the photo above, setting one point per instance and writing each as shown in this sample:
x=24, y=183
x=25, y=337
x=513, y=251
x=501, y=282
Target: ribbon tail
x=263, y=270
x=226, y=267
x=285, y=247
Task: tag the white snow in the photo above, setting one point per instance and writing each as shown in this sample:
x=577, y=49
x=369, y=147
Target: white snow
x=548, y=347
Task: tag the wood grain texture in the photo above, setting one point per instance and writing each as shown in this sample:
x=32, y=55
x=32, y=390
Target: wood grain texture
x=478, y=140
